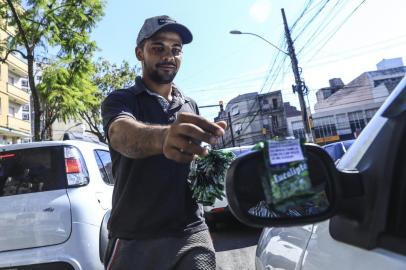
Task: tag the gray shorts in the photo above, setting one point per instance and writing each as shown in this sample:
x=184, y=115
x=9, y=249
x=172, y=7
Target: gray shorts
x=191, y=252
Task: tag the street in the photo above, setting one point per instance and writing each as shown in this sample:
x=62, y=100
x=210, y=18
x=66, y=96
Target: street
x=235, y=246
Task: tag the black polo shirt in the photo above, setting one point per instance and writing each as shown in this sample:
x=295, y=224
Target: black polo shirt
x=151, y=196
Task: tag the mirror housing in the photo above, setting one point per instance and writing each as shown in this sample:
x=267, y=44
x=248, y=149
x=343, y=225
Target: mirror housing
x=244, y=187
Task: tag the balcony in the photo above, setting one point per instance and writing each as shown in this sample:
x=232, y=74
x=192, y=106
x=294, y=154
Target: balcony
x=17, y=65
x=17, y=95
x=18, y=124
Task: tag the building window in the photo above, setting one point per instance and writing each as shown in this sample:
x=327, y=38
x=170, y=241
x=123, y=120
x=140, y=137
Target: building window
x=11, y=80
x=298, y=129
x=370, y=113
x=275, y=103
x=299, y=133
x=357, y=122
x=275, y=122
x=26, y=108
x=24, y=83
x=342, y=121
x=26, y=116
x=265, y=101
x=11, y=111
x=324, y=127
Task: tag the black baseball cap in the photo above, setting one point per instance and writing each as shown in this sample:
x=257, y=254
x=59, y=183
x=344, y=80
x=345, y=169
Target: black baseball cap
x=164, y=22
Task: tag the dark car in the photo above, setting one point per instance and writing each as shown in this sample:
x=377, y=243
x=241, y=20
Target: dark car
x=337, y=149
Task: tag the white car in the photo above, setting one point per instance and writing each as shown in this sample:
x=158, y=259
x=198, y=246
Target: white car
x=365, y=225
x=53, y=197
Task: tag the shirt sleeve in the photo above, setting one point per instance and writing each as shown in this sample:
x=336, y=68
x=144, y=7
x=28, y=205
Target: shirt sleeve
x=116, y=105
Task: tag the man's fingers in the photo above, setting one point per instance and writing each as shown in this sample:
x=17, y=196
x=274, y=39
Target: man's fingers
x=196, y=133
x=178, y=156
x=222, y=124
x=186, y=145
x=201, y=122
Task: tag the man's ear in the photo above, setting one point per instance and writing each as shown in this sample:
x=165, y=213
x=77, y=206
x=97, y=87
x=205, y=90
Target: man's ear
x=139, y=54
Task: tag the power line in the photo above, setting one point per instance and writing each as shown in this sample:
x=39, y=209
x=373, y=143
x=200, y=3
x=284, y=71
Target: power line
x=312, y=19
x=307, y=6
x=323, y=25
x=338, y=28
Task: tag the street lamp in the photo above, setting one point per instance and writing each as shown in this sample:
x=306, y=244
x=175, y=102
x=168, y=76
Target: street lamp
x=237, y=32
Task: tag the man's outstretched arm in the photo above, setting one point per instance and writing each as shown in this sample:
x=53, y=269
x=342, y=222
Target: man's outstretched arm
x=135, y=139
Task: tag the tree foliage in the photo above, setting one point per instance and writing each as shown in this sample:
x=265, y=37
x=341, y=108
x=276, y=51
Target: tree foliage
x=60, y=28
x=66, y=94
x=107, y=77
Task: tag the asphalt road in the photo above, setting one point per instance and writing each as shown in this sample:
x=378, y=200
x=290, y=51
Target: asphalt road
x=235, y=246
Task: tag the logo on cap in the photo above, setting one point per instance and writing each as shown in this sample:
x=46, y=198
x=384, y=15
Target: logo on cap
x=162, y=21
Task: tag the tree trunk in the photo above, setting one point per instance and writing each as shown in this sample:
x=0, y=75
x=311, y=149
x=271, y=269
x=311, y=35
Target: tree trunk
x=35, y=97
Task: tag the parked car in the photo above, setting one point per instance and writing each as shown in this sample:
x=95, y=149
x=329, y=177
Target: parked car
x=364, y=226
x=337, y=149
x=53, y=197
x=219, y=210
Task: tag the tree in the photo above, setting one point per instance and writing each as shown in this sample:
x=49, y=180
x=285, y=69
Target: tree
x=108, y=77
x=66, y=94
x=60, y=26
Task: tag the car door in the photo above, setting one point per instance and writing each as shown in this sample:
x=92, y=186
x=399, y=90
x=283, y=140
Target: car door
x=34, y=207
x=282, y=248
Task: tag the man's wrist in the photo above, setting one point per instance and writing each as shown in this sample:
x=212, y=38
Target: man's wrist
x=163, y=134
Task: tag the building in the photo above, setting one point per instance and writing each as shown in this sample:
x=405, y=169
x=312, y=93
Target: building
x=253, y=117
x=342, y=111
x=15, y=124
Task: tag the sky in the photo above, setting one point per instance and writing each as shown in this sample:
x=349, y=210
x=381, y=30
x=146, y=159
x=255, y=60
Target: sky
x=332, y=39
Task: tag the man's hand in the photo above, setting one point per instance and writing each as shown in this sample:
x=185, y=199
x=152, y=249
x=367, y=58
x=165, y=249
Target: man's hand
x=181, y=140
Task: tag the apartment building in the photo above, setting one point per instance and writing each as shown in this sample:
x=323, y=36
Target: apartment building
x=253, y=117
x=15, y=125
x=343, y=110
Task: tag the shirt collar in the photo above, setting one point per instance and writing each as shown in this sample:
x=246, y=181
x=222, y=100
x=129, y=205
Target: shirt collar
x=140, y=87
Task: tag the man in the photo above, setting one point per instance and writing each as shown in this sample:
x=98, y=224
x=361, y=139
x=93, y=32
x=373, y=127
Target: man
x=154, y=132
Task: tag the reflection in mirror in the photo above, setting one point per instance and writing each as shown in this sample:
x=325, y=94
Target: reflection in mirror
x=282, y=180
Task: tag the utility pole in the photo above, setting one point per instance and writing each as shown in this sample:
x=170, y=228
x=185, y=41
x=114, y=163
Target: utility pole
x=300, y=86
x=231, y=128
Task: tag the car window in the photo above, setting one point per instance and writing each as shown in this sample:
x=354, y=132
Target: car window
x=31, y=170
x=103, y=160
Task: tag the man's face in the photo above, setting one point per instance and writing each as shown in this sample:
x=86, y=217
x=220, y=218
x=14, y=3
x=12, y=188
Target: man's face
x=161, y=57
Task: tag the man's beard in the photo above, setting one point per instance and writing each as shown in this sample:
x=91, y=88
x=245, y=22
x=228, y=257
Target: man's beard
x=160, y=77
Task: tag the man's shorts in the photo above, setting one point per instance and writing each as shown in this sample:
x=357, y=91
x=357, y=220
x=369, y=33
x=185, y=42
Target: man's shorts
x=192, y=252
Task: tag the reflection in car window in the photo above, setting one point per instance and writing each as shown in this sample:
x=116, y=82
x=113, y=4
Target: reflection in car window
x=31, y=170
x=103, y=160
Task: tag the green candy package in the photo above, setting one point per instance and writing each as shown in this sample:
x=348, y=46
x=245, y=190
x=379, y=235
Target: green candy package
x=287, y=178
x=207, y=176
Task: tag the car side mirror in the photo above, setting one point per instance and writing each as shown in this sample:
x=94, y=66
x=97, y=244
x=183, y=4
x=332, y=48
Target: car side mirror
x=249, y=200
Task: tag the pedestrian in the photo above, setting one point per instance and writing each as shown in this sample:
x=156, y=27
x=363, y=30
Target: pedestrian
x=154, y=132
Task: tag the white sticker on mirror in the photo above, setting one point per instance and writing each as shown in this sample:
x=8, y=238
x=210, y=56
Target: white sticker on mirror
x=285, y=151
